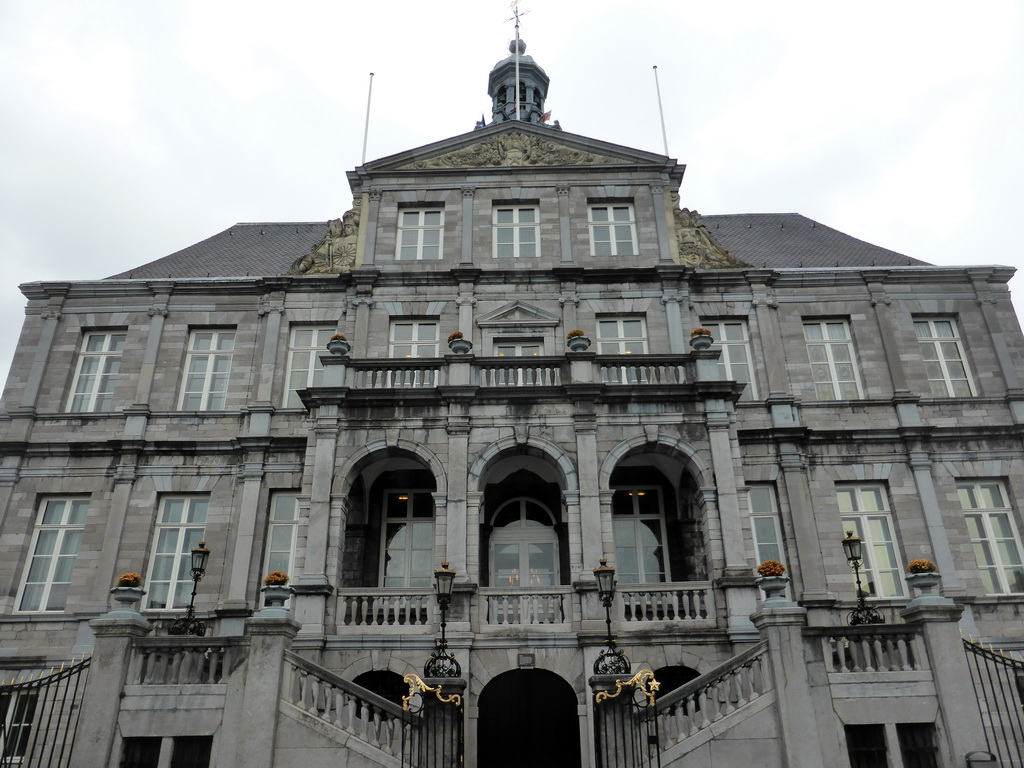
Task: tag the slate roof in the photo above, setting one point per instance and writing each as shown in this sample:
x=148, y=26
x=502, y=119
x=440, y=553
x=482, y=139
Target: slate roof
x=772, y=240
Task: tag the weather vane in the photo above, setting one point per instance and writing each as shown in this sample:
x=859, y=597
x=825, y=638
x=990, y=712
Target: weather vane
x=515, y=17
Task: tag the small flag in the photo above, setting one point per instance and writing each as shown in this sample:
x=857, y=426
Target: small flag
x=546, y=117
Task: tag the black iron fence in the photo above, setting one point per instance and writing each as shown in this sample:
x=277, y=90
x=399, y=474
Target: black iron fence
x=38, y=718
x=999, y=685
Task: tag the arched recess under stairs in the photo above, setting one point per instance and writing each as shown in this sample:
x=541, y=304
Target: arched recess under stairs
x=528, y=717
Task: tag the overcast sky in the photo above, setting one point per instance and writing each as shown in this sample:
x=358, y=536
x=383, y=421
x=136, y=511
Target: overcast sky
x=133, y=129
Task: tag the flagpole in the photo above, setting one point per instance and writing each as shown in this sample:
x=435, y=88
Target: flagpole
x=366, y=128
x=661, y=112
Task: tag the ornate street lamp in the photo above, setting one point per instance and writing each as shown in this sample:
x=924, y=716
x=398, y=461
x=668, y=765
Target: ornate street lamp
x=189, y=624
x=611, y=660
x=442, y=663
x=863, y=613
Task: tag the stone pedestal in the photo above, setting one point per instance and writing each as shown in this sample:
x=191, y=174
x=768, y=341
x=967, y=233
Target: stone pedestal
x=114, y=633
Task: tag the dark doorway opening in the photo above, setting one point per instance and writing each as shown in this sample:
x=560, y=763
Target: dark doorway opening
x=528, y=717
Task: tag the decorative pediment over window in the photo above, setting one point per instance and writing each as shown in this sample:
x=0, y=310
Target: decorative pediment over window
x=511, y=149
x=518, y=314
x=695, y=246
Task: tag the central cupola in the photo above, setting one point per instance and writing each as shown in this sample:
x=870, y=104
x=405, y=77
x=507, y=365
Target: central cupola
x=533, y=87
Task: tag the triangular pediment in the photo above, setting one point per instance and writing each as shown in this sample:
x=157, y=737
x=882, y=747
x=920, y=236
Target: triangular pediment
x=515, y=145
x=518, y=313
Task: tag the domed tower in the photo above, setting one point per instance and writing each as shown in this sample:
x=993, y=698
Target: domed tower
x=533, y=87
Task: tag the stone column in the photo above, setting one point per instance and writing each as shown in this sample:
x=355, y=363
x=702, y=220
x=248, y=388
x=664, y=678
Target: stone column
x=661, y=223
x=887, y=335
x=108, y=673
x=455, y=548
x=812, y=582
x=587, y=528
x=736, y=578
x=313, y=585
x=564, y=226
x=805, y=742
x=369, y=222
x=269, y=367
x=269, y=638
x=674, y=317
x=963, y=731
x=921, y=466
x=235, y=602
x=360, y=339
x=771, y=353
x=108, y=564
x=467, y=230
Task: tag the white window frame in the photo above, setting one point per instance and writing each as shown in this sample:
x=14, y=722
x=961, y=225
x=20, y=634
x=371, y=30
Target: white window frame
x=207, y=374
x=639, y=521
x=282, y=533
x=523, y=536
x=97, y=372
x=415, y=235
x=606, y=234
x=518, y=348
x=61, y=523
x=408, y=578
x=521, y=235
x=736, y=362
x=868, y=512
x=417, y=342
x=304, y=367
x=998, y=552
x=942, y=355
x=621, y=341
x=832, y=354
x=180, y=526
x=764, y=523
x=18, y=715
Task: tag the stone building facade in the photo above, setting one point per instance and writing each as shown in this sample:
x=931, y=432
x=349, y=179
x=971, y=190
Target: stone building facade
x=193, y=398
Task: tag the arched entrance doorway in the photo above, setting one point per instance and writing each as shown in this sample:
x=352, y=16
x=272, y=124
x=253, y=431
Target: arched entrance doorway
x=528, y=717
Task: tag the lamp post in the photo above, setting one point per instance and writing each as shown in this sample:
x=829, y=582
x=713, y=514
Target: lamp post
x=189, y=624
x=862, y=614
x=442, y=663
x=611, y=660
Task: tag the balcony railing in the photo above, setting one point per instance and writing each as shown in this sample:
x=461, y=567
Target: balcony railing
x=183, y=660
x=398, y=373
x=519, y=372
x=504, y=607
x=888, y=648
x=385, y=607
x=690, y=601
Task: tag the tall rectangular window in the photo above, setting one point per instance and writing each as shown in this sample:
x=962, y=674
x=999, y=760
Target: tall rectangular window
x=638, y=526
x=764, y=519
x=612, y=230
x=944, y=360
x=917, y=745
x=17, y=713
x=407, y=546
x=419, y=234
x=732, y=337
x=833, y=367
x=516, y=232
x=865, y=511
x=281, y=533
x=181, y=525
x=621, y=336
x=994, y=535
x=99, y=368
x=304, y=366
x=55, y=544
x=414, y=338
x=207, y=370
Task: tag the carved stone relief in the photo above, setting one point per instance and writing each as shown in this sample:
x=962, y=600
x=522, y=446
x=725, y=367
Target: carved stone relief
x=336, y=251
x=696, y=246
x=511, y=149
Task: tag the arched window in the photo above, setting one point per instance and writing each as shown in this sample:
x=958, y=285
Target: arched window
x=523, y=545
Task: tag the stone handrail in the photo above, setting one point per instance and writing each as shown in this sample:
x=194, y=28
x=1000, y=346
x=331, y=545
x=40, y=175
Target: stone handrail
x=641, y=369
x=184, y=660
x=519, y=372
x=345, y=705
x=872, y=648
x=507, y=607
x=688, y=601
x=373, y=607
x=707, y=699
x=395, y=373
